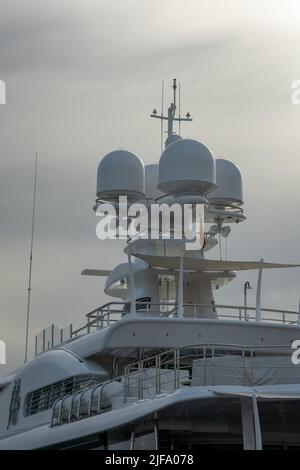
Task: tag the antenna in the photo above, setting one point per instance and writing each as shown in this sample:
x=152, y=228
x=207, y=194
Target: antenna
x=179, y=108
x=162, y=113
x=30, y=259
x=171, y=113
x=174, y=91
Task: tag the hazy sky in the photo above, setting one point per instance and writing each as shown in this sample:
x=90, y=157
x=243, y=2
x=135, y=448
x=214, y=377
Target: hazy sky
x=82, y=78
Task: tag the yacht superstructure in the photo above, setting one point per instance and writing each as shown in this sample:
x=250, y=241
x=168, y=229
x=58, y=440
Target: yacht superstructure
x=163, y=366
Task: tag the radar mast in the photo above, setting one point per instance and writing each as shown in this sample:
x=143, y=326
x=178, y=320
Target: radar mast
x=171, y=117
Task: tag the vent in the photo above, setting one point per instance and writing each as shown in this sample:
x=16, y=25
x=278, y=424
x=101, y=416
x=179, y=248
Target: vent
x=142, y=303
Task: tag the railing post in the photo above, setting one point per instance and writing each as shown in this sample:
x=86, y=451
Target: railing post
x=258, y=294
x=252, y=366
x=35, y=347
x=44, y=339
x=213, y=364
x=204, y=365
x=156, y=431
x=131, y=286
x=244, y=367
x=141, y=384
x=180, y=312
x=176, y=369
x=52, y=335
x=108, y=316
x=126, y=374
x=132, y=440
x=157, y=375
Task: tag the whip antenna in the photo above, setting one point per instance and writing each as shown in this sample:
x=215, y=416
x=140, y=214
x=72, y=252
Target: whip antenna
x=162, y=122
x=179, y=109
x=30, y=259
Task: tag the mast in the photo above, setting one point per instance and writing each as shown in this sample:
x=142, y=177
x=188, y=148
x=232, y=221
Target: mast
x=171, y=117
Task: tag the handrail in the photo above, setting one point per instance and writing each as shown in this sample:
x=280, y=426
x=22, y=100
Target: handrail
x=112, y=312
x=174, y=369
x=293, y=312
x=106, y=310
x=212, y=345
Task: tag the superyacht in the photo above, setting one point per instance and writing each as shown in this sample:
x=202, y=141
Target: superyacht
x=163, y=366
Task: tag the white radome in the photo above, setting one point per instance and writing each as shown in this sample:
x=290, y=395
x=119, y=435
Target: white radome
x=151, y=181
x=171, y=139
x=120, y=173
x=229, y=184
x=187, y=166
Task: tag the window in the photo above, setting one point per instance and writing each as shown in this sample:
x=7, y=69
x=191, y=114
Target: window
x=44, y=398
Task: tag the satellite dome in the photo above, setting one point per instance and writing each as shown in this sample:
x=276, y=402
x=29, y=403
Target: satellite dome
x=229, y=182
x=151, y=181
x=172, y=138
x=187, y=166
x=120, y=173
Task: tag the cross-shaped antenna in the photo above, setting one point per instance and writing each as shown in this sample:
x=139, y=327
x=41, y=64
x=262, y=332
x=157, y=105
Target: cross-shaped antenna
x=171, y=112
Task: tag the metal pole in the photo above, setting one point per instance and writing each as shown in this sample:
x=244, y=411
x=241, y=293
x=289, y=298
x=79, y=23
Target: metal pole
x=156, y=431
x=246, y=287
x=180, y=312
x=170, y=121
x=44, y=340
x=132, y=288
x=162, y=121
x=174, y=90
x=258, y=438
x=30, y=260
x=179, y=119
x=258, y=294
x=52, y=335
x=299, y=313
x=132, y=440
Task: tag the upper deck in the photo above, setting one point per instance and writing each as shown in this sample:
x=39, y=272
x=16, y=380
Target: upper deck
x=226, y=315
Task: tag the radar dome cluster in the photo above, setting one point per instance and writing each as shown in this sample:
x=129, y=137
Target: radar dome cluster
x=186, y=167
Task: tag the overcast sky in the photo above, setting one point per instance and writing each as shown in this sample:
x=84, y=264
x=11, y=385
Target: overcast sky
x=82, y=78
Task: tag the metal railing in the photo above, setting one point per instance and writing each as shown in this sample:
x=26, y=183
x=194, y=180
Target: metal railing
x=112, y=312
x=43, y=398
x=186, y=366
x=194, y=365
x=52, y=336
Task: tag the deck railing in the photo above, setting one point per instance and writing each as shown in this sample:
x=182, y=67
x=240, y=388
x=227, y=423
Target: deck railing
x=208, y=365
x=112, y=312
x=169, y=371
